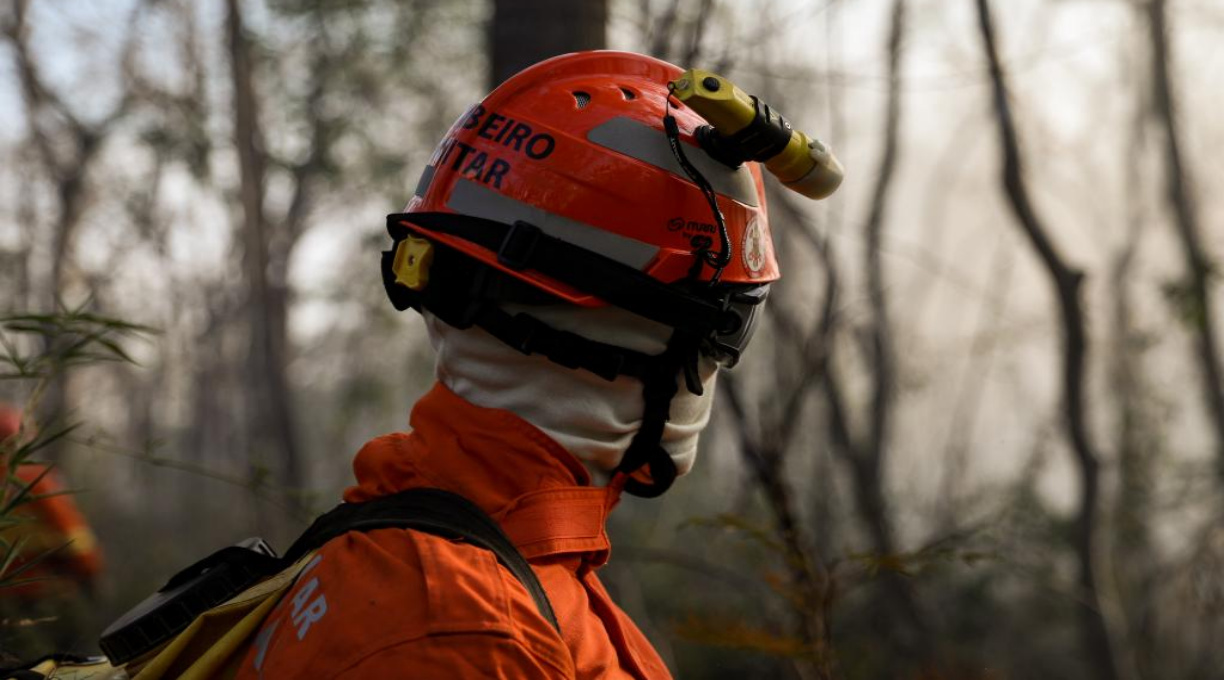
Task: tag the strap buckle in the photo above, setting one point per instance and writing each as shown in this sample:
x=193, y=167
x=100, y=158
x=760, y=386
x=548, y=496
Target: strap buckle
x=527, y=331
x=518, y=245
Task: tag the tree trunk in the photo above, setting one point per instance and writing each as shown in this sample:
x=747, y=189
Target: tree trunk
x=271, y=411
x=54, y=127
x=1135, y=564
x=524, y=32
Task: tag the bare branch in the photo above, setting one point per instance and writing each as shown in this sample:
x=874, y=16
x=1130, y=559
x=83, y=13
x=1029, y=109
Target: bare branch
x=1179, y=194
x=809, y=577
x=67, y=148
x=697, y=29
x=1100, y=646
x=815, y=346
x=883, y=378
x=973, y=379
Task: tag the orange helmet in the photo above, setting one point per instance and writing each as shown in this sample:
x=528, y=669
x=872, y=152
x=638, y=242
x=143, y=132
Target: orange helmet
x=580, y=180
x=576, y=146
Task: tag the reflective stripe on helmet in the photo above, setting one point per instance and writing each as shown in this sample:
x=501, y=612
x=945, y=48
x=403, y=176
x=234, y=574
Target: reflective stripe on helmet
x=477, y=200
x=427, y=176
x=646, y=144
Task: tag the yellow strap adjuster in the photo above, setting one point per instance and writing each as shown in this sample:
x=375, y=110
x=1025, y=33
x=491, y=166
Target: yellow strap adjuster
x=413, y=257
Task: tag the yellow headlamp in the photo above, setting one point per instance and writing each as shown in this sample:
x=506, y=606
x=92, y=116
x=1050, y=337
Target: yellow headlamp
x=744, y=128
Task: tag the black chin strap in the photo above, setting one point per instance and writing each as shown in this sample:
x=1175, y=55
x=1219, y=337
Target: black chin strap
x=529, y=335
x=659, y=387
x=659, y=375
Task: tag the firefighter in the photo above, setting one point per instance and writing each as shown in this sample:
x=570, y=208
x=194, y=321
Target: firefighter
x=584, y=269
x=46, y=590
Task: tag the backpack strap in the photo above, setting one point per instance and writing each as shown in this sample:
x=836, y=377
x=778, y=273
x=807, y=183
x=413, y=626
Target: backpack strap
x=225, y=574
x=432, y=511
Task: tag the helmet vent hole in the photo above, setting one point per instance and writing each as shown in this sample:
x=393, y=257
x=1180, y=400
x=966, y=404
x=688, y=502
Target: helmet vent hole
x=581, y=98
x=628, y=94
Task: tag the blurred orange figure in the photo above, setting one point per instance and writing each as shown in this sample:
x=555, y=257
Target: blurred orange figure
x=54, y=526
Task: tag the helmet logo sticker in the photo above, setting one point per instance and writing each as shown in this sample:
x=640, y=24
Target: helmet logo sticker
x=700, y=235
x=691, y=227
x=502, y=131
x=753, y=250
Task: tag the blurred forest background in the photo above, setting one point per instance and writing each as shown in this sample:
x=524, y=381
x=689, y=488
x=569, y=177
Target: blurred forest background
x=982, y=432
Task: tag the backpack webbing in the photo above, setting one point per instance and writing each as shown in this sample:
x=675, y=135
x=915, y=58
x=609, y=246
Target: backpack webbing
x=432, y=511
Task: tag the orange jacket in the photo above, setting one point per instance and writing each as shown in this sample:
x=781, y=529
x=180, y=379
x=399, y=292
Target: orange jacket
x=397, y=603
x=54, y=525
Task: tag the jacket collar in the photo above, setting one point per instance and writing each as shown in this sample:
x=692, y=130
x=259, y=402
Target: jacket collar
x=539, y=493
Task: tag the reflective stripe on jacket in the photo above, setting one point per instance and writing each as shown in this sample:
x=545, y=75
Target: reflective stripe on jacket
x=397, y=603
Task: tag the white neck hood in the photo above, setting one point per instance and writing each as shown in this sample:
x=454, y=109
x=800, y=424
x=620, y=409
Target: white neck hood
x=592, y=418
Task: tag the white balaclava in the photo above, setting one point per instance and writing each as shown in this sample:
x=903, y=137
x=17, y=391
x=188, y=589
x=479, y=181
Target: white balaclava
x=594, y=419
